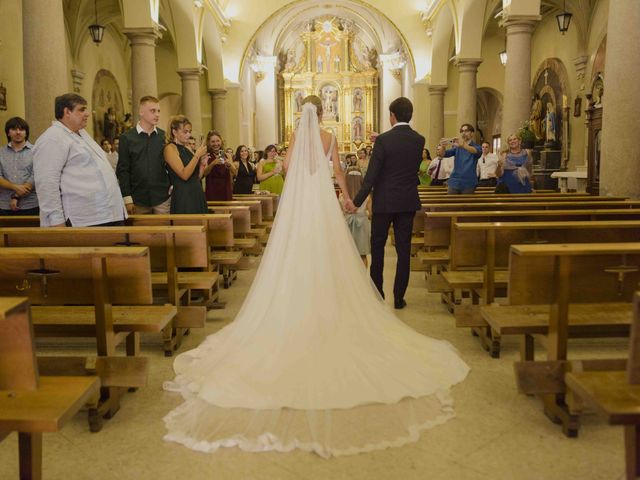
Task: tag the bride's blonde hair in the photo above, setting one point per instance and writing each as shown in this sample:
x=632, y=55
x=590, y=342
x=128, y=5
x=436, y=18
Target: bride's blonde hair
x=315, y=100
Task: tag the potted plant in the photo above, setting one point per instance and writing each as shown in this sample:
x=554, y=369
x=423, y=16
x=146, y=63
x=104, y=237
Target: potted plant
x=527, y=137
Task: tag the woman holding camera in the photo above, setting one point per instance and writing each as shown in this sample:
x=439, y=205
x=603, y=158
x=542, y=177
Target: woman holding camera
x=220, y=170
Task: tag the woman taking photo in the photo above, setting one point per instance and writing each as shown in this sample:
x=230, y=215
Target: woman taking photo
x=270, y=171
x=220, y=170
x=246, y=173
x=185, y=168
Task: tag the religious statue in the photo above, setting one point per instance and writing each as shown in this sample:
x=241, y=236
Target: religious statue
x=550, y=124
x=535, y=120
x=319, y=64
x=336, y=64
x=357, y=100
x=109, y=125
x=290, y=63
x=3, y=97
x=298, y=99
x=357, y=128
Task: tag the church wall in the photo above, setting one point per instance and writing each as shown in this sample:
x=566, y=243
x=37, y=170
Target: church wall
x=233, y=109
x=547, y=42
x=108, y=56
x=11, y=60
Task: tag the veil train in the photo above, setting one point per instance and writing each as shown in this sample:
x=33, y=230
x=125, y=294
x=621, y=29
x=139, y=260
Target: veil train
x=314, y=359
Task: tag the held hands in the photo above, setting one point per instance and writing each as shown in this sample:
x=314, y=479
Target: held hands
x=130, y=208
x=349, y=206
x=22, y=190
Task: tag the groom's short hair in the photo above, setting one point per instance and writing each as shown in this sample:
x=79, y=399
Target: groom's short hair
x=402, y=108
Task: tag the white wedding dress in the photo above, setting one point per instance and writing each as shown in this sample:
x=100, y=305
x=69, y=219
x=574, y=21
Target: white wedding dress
x=314, y=359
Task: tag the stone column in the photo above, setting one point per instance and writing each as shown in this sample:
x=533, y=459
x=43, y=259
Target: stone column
x=144, y=79
x=191, y=98
x=436, y=113
x=218, y=104
x=517, y=75
x=620, y=162
x=266, y=88
x=45, y=67
x=392, y=65
x=467, y=102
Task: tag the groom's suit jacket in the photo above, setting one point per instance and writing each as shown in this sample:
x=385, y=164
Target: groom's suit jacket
x=393, y=171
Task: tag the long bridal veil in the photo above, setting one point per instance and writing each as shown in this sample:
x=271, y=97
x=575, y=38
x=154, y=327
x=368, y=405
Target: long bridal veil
x=314, y=359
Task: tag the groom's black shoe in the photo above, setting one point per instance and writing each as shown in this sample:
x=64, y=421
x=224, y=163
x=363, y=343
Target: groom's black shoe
x=399, y=304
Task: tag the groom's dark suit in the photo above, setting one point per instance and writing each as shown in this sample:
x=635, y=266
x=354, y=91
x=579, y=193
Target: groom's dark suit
x=393, y=176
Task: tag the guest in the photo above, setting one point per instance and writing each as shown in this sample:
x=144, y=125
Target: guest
x=440, y=167
x=256, y=157
x=423, y=170
x=111, y=155
x=141, y=170
x=270, y=171
x=191, y=145
x=351, y=161
x=359, y=222
x=116, y=144
x=363, y=160
x=487, y=164
x=220, y=170
x=17, y=195
x=185, y=168
x=76, y=185
x=514, y=169
x=228, y=152
x=463, y=179
x=246, y=176
x=368, y=149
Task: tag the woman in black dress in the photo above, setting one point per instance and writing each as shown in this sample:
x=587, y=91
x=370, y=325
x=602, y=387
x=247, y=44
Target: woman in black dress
x=246, y=172
x=185, y=168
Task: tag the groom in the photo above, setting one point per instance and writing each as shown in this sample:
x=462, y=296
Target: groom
x=393, y=177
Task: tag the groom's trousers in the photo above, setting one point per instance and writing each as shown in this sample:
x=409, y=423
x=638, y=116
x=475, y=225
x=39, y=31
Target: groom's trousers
x=402, y=228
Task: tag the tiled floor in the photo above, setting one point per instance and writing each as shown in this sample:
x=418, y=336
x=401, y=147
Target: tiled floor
x=497, y=434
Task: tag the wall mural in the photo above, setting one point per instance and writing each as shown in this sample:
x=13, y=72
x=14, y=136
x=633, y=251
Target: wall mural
x=332, y=62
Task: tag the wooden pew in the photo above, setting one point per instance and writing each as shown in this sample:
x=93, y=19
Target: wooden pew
x=616, y=395
x=486, y=246
x=563, y=290
x=31, y=404
x=226, y=251
x=171, y=247
x=100, y=292
x=266, y=201
x=247, y=245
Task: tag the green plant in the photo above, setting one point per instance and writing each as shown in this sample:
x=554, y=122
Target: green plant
x=525, y=133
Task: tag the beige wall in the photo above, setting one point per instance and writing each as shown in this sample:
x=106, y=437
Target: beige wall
x=11, y=72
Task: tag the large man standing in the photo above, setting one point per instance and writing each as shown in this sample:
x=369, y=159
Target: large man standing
x=75, y=183
x=393, y=176
x=141, y=170
x=17, y=194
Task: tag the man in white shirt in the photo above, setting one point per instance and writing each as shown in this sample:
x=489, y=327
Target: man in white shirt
x=440, y=167
x=75, y=183
x=487, y=164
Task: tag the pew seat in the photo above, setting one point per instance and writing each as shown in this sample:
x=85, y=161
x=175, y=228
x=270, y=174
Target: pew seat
x=189, y=280
x=473, y=279
x=585, y=320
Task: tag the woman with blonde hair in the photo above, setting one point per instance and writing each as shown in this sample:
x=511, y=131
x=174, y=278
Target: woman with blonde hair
x=515, y=168
x=185, y=168
x=314, y=360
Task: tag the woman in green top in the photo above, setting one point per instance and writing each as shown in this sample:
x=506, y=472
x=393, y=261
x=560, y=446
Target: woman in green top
x=270, y=171
x=185, y=168
x=424, y=177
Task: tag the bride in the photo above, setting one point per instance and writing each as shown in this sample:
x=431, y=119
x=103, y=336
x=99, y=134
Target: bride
x=314, y=359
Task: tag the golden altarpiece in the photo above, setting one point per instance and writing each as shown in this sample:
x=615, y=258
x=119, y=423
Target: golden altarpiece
x=332, y=62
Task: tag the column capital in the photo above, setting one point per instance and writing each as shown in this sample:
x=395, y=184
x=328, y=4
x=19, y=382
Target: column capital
x=77, y=77
x=437, y=89
x=520, y=23
x=218, y=93
x=581, y=65
x=143, y=36
x=190, y=73
x=467, y=64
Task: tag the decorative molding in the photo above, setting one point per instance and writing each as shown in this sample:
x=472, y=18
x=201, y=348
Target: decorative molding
x=77, y=78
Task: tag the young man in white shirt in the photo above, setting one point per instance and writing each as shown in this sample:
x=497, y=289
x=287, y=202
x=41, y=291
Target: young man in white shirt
x=440, y=167
x=75, y=183
x=487, y=164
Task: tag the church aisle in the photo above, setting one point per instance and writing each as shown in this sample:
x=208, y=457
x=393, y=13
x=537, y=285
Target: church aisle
x=498, y=433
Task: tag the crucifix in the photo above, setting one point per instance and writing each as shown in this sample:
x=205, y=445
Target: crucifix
x=327, y=44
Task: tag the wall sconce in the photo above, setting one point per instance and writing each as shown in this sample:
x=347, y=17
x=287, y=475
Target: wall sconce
x=503, y=57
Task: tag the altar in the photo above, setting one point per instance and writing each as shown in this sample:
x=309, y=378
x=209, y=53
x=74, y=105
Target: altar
x=572, y=181
x=334, y=63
